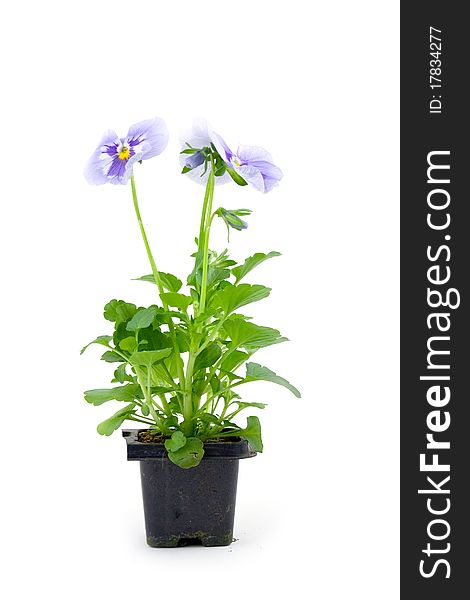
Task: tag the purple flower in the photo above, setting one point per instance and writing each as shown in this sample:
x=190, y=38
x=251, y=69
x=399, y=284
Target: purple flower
x=114, y=157
x=198, y=137
x=253, y=163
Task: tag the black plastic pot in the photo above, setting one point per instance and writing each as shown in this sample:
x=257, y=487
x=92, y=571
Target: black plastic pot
x=188, y=506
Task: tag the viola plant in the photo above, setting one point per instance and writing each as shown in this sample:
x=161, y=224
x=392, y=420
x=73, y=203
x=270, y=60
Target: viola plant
x=181, y=362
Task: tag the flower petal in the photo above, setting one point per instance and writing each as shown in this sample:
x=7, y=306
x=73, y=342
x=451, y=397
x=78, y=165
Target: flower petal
x=96, y=170
x=270, y=182
x=191, y=161
x=148, y=137
x=221, y=146
x=259, y=158
x=197, y=136
x=196, y=174
x=271, y=174
x=252, y=175
x=125, y=172
x=253, y=153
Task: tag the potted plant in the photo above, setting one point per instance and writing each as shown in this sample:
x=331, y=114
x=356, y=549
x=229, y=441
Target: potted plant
x=179, y=364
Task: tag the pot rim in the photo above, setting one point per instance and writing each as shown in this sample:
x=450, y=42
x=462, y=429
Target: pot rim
x=136, y=450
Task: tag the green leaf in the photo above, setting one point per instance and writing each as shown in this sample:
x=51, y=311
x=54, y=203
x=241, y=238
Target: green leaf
x=124, y=393
x=256, y=372
x=111, y=357
x=251, y=262
x=232, y=376
x=207, y=357
x=171, y=421
x=199, y=384
x=220, y=168
x=170, y=282
x=103, y=340
x=189, y=151
x=233, y=360
x=215, y=384
x=159, y=372
x=205, y=316
x=214, y=276
x=142, y=319
x=120, y=333
x=98, y=396
x=222, y=260
x=110, y=425
x=233, y=297
x=174, y=405
x=208, y=418
x=235, y=176
x=250, y=336
x=183, y=340
x=121, y=376
x=242, y=212
x=154, y=339
x=190, y=455
x=119, y=311
x=243, y=405
x=234, y=426
x=177, y=441
x=162, y=389
x=145, y=409
x=149, y=357
x=252, y=434
x=128, y=344
x=191, y=280
x=179, y=300
x=149, y=278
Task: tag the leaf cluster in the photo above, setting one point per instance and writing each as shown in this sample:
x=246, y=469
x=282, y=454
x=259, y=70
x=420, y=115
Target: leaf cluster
x=178, y=371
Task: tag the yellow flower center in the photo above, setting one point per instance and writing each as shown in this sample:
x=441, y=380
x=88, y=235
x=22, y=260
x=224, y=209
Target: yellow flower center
x=124, y=153
x=236, y=161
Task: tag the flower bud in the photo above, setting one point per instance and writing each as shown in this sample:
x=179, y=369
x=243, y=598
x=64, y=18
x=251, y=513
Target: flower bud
x=232, y=219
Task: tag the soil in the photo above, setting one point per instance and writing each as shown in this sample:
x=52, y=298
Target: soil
x=149, y=437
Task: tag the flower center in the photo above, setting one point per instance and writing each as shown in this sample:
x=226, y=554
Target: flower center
x=124, y=153
x=236, y=161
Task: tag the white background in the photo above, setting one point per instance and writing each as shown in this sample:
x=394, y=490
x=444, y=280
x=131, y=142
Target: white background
x=316, y=83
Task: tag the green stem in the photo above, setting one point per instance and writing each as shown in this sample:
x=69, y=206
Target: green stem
x=188, y=396
x=205, y=212
x=148, y=399
x=230, y=433
x=202, y=226
x=213, y=335
x=149, y=395
x=203, y=245
x=170, y=378
x=165, y=405
x=219, y=427
x=145, y=390
x=158, y=281
x=227, y=388
x=141, y=420
x=156, y=274
x=207, y=227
